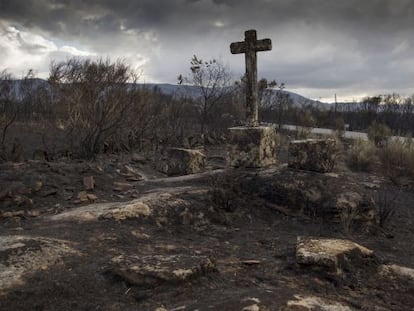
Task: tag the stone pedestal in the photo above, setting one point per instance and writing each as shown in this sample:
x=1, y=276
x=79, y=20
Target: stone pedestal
x=180, y=161
x=313, y=154
x=251, y=147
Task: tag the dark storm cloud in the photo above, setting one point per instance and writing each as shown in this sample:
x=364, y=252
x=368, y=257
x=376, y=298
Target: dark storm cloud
x=318, y=44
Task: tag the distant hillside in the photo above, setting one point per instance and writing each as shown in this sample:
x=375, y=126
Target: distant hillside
x=174, y=89
x=192, y=91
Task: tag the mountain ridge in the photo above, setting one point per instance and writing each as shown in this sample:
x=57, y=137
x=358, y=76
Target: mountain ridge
x=176, y=89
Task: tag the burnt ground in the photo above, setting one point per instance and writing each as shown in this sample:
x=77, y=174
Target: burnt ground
x=251, y=239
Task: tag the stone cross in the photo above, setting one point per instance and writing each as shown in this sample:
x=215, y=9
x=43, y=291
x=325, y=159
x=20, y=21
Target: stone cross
x=249, y=47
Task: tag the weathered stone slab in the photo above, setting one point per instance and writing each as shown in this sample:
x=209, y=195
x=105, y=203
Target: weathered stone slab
x=313, y=154
x=251, y=147
x=392, y=270
x=151, y=271
x=332, y=255
x=21, y=256
x=309, y=303
x=181, y=161
x=117, y=211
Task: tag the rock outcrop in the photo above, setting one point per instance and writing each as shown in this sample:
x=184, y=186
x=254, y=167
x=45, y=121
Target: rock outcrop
x=22, y=256
x=313, y=154
x=332, y=255
x=310, y=303
x=151, y=271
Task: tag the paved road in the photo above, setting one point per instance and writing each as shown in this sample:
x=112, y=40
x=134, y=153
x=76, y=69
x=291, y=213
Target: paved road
x=347, y=134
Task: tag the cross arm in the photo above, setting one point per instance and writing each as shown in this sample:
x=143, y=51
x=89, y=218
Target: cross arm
x=238, y=47
x=263, y=45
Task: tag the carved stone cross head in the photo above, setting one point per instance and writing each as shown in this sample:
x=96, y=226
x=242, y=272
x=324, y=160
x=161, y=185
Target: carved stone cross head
x=249, y=47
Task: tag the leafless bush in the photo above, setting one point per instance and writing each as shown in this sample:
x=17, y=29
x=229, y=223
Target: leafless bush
x=8, y=113
x=348, y=217
x=211, y=80
x=225, y=191
x=385, y=202
x=97, y=98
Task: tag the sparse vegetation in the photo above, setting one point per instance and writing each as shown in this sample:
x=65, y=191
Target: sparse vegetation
x=8, y=115
x=225, y=191
x=378, y=133
x=361, y=156
x=397, y=159
x=385, y=202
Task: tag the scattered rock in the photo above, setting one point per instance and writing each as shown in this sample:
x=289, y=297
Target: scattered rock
x=21, y=256
x=332, y=255
x=88, y=183
x=92, y=197
x=130, y=173
x=151, y=271
x=253, y=307
x=49, y=192
x=84, y=197
x=20, y=213
x=313, y=154
x=180, y=161
x=121, y=186
x=140, y=235
x=311, y=303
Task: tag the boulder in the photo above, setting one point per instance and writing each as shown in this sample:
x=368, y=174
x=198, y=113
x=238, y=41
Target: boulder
x=393, y=270
x=332, y=255
x=310, y=303
x=88, y=182
x=312, y=154
x=22, y=256
x=117, y=211
x=181, y=161
x=151, y=271
x=251, y=147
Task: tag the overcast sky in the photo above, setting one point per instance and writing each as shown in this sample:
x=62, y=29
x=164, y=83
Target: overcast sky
x=320, y=47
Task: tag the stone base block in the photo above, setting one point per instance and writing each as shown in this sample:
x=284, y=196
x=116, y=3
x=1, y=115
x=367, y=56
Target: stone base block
x=251, y=147
x=313, y=154
x=180, y=161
